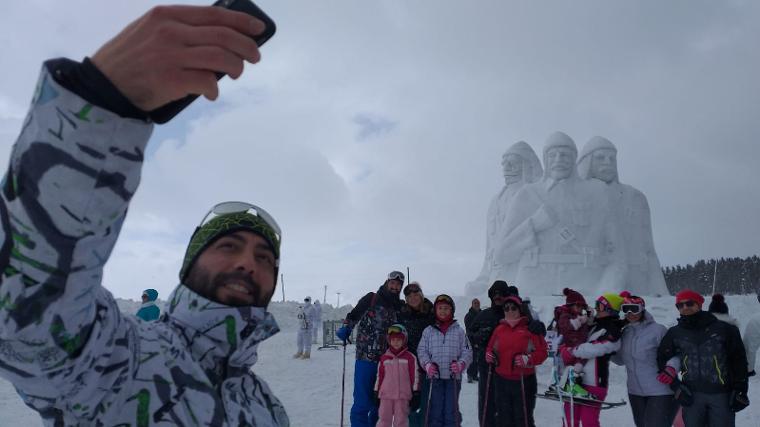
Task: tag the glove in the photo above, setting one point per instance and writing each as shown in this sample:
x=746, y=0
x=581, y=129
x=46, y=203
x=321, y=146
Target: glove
x=343, y=333
x=537, y=327
x=431, y=369
x=414, y=404
x=739, y=400
x=522, y=361
x=667, y=375
x=751, y=373
x=456, y=367
x=492, y=358
x=566, y=353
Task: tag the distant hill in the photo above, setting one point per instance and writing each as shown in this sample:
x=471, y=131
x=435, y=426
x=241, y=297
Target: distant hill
x=732, y=276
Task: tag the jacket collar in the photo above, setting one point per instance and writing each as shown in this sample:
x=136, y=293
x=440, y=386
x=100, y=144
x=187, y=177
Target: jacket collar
x=223, y=339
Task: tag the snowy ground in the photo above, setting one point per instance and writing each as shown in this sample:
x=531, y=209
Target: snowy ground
x=311, y=390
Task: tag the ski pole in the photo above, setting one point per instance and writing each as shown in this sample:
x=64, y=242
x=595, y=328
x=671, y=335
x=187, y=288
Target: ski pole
x=485, y=396
x=456, y=377
x=343, y=386
x=427, y=407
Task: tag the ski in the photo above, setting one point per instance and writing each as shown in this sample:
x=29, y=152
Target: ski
x=552, y=394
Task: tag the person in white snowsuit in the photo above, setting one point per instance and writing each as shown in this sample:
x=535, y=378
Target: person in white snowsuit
x=751, y=340
x=305, y=328
x=317, y=321
x=64, y=344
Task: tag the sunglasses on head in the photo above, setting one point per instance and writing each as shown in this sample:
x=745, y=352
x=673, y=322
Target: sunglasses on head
x=687, y=303
x=396, y=275
x=631, y=308
x=411, y=290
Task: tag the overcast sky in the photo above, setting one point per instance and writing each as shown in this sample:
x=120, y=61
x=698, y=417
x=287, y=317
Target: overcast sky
x=373, y=130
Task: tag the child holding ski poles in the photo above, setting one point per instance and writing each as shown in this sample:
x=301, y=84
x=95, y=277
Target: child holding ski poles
x=573, y=325
x=444, y=353
x=397, y=381
x=515, y=352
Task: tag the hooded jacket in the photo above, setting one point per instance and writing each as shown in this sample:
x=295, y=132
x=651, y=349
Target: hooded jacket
x=374, y=313
x=638, y=352
x=441, y=348
x=711, y=353
x=397, y=375
x=64, y=344
x=508, y=341
x=149, y=310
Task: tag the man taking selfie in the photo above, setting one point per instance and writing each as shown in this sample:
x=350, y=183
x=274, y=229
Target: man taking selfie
x=64, y=344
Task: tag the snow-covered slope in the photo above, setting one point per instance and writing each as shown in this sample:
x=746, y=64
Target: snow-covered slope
x=311, y=390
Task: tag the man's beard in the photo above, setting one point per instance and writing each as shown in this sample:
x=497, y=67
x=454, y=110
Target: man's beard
x=200, y=281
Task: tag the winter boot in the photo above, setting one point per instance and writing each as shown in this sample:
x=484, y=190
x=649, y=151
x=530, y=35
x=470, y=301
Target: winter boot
x=297, y=355
x=306, y=355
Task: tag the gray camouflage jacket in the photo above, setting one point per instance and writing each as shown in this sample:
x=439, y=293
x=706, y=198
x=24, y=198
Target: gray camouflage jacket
x=64, y=344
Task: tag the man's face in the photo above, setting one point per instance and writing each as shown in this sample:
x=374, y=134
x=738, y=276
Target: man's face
x=512, y=166
x=560, y=162
x=394, y=286
x=688, y=307
x=476, y=304
x=604, y=165
x=237, y=269
x=498, y=299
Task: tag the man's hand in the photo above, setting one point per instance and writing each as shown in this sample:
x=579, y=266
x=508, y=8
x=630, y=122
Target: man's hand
x=173, y=51
x=667, y=375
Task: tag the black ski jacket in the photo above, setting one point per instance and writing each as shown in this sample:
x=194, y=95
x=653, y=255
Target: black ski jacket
x=415, y=322
x=374, y=313
x=712, y=354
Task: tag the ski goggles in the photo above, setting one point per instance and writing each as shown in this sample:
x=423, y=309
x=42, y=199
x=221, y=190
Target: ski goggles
x=226, y=208
x=632, y=308
x=396, y=329
x=396, y=275
x=687, y=303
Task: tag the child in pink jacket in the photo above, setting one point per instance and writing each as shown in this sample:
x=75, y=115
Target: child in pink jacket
x=397, y=381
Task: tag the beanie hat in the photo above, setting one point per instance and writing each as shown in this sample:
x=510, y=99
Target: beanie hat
x=718, y=304
x=514, y=299
x=610, y=301
x=445, y=299
x=512, y=290
x=225, y=224
x=688, y=294
x=632, y=299
x=397, y=330
x=572, y=297
x=500, y=287
x=152, y=294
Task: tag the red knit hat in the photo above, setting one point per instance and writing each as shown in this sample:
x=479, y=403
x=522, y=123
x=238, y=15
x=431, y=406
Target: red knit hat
x=688, y=294
x=573, y=297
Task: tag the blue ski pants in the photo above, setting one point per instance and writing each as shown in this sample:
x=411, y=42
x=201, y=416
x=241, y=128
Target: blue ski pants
x=364, y=409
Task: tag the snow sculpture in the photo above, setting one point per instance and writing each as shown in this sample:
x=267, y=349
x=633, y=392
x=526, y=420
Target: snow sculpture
x=560, y=231
x=520, y=166
x=598, y=160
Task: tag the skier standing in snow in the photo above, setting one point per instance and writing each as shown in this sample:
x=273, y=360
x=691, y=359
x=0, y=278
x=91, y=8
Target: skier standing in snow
x=305, y=328
x=149, y=311
x=573, y=325
x=416, y=315
x=398, y=384
x=751, y=340
x=603, y=340
x=374, y=314
x=515, y=352
x=469, y=318
x=652, y=402
x=317, y=321
x=713, y=364
x=444, y=352
x=73, y=171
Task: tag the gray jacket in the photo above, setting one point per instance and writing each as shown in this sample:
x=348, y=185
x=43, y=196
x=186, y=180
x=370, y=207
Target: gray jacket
x=638, y=352
x=443, y=348
x=64, y=344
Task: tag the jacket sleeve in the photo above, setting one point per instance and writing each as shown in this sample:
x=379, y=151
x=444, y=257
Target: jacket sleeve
x=414, y=373
x=493, y=342
x=540, y=352
x=380, y=373
x=423, y=348
x=353, y=317
x=737, y=359
x=666, y=350
x=752, y=341
x=607, y=345
x=72, y=173
x=466, y=356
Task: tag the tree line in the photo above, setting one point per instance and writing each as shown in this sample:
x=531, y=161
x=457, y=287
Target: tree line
x=732, y=276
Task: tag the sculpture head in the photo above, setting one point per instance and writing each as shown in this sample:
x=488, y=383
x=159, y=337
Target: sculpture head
x=560, y=154
x=520, y=164
x=598, y=159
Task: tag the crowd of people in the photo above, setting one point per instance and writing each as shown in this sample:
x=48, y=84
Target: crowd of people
x=694, y=373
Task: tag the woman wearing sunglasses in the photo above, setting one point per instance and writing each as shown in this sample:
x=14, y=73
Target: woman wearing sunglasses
x=652, y=402
x=515, y=352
